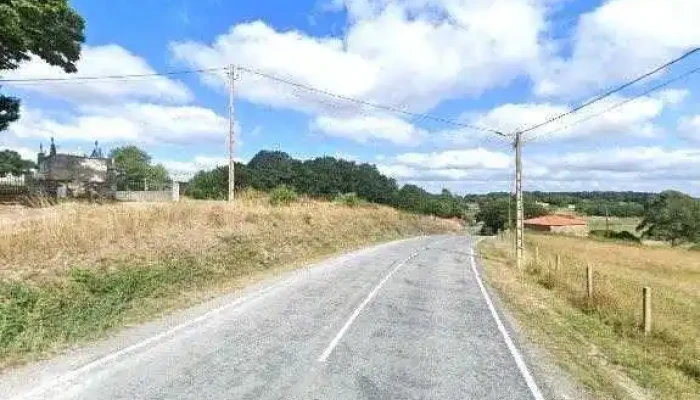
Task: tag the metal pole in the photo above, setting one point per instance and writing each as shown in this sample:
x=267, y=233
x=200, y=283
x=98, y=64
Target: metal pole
x=231, y=128
x=519, y=200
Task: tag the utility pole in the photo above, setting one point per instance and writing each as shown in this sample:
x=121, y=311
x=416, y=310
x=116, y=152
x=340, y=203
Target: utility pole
x=519, y=200
x=231, y=133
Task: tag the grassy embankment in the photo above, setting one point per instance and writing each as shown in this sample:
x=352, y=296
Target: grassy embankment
x=599, y=340
x=78, y=272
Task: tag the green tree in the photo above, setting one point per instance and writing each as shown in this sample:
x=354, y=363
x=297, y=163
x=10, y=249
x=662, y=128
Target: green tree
x=327, y=178
x=12, y=163
x=270, y=169
x=672, y=216
x=214, y=184
x=134, y=169
x=494, y=214
x=49, y=29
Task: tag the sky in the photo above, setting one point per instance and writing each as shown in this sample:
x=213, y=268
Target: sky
x=498, y=64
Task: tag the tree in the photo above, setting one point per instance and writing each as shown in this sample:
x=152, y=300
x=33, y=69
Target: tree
x=326, y=178
x=214, y=184
x=271, y=169
x=12, y=163
x=672, y=216
x=494, y=214
x=134, y=169
x=49, y=29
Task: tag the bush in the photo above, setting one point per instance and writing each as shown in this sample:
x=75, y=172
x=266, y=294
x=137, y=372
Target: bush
x=625, y=236
x=349, y=199
x=283, y=195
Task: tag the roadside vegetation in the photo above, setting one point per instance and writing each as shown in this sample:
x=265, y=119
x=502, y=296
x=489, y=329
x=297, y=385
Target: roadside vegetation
x=78, y=271
x=599, y=339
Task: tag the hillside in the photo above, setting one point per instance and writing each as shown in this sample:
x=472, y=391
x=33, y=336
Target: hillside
x=76, y=272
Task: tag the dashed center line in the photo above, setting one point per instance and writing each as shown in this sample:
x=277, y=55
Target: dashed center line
x=359, y=309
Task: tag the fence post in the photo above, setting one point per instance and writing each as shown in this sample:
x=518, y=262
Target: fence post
x=558, y=264
x=646, y=305
x=537, y=255
x=175, y=191
x=589, y=280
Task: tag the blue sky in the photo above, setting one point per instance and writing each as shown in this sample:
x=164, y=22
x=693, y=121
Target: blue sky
x=502, y=64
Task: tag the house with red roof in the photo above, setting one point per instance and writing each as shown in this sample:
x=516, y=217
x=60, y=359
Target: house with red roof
x=557, y=223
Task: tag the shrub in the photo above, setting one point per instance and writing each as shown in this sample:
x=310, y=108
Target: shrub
x=283, y=195
x=348, y=199
x=625, y=236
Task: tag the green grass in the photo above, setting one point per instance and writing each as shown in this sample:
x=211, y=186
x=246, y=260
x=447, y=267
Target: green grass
x=88, y=303
x=616, y=224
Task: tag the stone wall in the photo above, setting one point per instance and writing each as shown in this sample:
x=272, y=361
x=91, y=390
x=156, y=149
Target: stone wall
x=66, y=167
x=171, y=194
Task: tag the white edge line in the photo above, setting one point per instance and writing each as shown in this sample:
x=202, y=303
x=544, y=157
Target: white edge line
x=359, y=309
x=69, y=376
x=65, y=378
x=522, y=366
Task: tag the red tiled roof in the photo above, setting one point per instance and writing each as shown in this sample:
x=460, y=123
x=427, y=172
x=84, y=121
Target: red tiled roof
x=555, y=220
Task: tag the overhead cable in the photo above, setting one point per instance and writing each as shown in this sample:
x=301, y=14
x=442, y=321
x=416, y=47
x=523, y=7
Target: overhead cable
x=612, y=91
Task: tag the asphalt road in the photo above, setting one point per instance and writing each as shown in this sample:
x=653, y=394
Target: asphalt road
x=408, y=320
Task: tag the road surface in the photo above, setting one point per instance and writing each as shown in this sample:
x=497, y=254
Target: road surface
x=406, y=320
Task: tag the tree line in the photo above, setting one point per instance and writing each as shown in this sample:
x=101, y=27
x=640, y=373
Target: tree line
x=325, y=178
x=614, y=204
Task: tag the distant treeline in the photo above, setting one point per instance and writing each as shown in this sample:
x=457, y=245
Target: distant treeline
x=325, y=177
x=614, y=204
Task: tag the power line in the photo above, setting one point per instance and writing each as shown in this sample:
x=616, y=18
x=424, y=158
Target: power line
x=612, y=91
x=109, y=77
x=370, y=104
x=80, y=79
x=619, y=104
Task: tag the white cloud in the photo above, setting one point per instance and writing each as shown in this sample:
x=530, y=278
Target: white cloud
x=101, y=61
x=393, y=53
x=365, y=128
x=689, y=127
x=451, y=165
x=636, y=118
x=25, y=152
x=457, y=159
x=635, y=162
x=673, y=96
x=184, y=170
x=650, y=168
x=619, y=40
x=131, y=122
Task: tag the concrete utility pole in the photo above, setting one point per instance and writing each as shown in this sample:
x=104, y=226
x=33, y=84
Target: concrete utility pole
x=231, y=132
x=519, y=200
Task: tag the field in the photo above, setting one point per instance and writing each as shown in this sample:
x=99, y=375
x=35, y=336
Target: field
x=599, y=340
x=75, y=272
x=616, y=224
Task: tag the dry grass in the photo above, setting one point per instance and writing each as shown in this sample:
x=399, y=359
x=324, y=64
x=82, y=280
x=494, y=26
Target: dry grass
x=50, y=241
x=599, y=339
x=80, y=270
